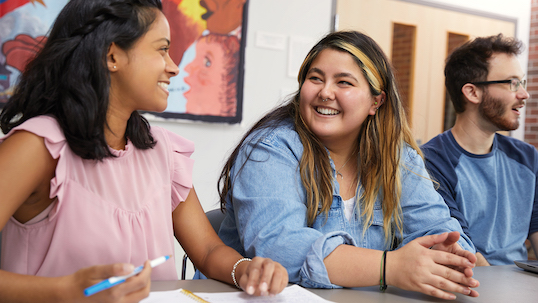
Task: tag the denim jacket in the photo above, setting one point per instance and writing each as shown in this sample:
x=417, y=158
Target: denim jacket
x=267, y=216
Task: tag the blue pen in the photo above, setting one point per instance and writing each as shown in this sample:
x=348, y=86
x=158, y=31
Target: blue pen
x=108, y=283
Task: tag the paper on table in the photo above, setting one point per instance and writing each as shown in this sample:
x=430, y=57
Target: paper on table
x=176, y=296
x=294, y=293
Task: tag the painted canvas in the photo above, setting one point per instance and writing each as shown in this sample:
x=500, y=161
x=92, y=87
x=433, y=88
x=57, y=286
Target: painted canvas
x=23, y=28
x=208, y=45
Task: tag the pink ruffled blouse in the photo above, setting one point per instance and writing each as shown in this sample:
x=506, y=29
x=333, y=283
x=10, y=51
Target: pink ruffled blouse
x=116, y=210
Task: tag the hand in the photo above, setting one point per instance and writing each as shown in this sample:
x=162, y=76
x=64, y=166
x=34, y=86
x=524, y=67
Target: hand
x=432, y=271
x=450, y=245
x=133, y=289
x=263, y=277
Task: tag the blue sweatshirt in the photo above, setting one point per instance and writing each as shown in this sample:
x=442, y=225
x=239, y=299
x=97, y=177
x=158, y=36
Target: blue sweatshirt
x=493, y=196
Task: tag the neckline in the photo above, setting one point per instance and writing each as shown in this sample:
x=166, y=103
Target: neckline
x=122, y=152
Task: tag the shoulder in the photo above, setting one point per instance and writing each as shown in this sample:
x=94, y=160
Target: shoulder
x=282, y=135
x=517, y=150
x=41, y=126
x=281, y=139
x=442, y=150
x=170, y=140
x=437, y=143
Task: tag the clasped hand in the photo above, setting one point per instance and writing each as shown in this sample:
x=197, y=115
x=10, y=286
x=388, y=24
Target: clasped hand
x=444, y=268
x=263, y=277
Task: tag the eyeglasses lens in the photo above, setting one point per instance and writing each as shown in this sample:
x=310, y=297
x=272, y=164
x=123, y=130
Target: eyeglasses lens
x=514, y=85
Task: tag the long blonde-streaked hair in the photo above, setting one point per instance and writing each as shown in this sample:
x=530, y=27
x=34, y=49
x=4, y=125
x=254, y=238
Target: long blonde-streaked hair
x=381, y=139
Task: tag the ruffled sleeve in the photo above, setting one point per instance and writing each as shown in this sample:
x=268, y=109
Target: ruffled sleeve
x=48, y=128
x=181, y=166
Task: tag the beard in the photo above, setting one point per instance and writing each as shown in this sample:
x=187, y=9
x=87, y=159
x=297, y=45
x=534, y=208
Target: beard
x=494, y=110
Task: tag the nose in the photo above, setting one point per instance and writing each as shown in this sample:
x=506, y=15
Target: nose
x=522, y=93
x=171, y=67
x=327, y=92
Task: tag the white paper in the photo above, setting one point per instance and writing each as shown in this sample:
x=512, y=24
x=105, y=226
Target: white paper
x=291, y=294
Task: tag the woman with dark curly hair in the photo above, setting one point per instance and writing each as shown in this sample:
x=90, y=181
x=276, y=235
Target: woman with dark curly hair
x=86, y=181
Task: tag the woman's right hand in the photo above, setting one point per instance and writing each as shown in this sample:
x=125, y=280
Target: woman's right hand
x=434, y=272
x=133, y=289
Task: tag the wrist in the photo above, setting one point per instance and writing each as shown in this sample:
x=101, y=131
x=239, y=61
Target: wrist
x=382, y=272
x=239, y=269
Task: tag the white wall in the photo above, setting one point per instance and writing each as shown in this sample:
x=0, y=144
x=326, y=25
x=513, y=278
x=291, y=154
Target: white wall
x=266, y=80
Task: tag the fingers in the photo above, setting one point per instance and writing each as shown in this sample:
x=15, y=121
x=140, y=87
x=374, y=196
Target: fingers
x=264, y=277
x=431, y=240
x=438, y=273
x=106, y=271
x=135, y=288
x=452, y=238
x=454, y=276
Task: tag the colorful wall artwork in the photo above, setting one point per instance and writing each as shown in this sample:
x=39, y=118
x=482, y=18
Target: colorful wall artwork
x=207, y=43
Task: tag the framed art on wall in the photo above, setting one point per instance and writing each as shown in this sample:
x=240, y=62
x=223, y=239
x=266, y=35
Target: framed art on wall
x=208, y=45
x=24, y=25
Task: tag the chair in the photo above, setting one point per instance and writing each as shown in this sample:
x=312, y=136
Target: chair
x=215, y=217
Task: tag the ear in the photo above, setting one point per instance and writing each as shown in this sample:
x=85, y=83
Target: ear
x=472, y=93
x=377, y=102
x=113, y=57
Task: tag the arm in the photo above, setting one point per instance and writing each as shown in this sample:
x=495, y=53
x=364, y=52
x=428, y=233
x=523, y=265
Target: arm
x=534, y=242
x=27, y=168
x=481, y=260
x=272, y=223
x=216, y=260
x=414, y=266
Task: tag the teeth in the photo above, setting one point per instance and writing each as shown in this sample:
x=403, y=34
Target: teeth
x=163, y=85
x=327, y=111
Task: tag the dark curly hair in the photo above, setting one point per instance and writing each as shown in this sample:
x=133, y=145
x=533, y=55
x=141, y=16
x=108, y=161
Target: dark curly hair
x=69, y=79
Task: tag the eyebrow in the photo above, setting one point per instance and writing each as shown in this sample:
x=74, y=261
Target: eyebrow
x=165, y=39
x=319, y=71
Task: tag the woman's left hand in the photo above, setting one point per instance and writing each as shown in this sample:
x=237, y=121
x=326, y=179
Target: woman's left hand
x=263, y=277
x=450, y=245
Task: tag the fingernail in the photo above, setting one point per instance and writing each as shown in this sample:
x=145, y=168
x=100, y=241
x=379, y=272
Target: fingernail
x=127, y=268
x=264, y=287
x=451, y=296
x=250, y=290
x=264, y=293
x=466, y=291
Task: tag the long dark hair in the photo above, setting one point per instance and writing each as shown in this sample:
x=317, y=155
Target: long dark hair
x=69, y=78
x=381, y=139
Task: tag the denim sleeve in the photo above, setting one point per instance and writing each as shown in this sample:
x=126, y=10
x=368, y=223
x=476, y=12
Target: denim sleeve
x=268, y=205
x=424, y=211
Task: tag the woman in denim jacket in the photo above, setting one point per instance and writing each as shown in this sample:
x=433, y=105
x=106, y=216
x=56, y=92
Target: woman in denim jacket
x=332, y=184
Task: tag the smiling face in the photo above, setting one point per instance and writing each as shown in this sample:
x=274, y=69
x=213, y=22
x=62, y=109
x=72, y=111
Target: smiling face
x=140, y=76
x=206, y=80
x=500, y=106
x=335, y=76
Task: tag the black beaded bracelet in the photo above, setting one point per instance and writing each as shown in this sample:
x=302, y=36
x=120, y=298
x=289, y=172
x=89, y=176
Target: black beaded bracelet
x=382, y=281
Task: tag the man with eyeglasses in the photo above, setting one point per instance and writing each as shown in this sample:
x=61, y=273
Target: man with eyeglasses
x=488, y=180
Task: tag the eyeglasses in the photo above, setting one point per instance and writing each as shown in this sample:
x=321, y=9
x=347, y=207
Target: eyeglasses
x=514, y=83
